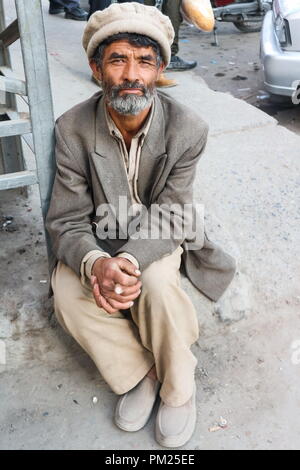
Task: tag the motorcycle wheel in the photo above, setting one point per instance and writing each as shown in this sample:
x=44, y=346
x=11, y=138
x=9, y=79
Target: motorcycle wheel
x=248, y=26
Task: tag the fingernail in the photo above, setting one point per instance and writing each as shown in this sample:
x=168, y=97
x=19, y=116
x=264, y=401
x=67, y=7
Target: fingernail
x=131, y=304
x=118, y=290
x=137, y=271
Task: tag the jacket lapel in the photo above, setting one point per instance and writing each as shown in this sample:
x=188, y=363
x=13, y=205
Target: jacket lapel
x=153, y=155
x=107, y=161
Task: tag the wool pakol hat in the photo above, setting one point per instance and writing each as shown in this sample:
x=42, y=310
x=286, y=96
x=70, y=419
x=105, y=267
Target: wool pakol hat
x=128, y=18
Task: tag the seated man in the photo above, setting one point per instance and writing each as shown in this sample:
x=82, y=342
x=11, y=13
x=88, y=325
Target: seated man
x=121, y=155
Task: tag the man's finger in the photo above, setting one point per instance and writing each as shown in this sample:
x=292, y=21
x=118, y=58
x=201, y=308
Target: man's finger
x=127, y=290
x=93, y=280
x=125, y=280
x=118, y=289
x=128, y=267
x=107, y=307
x=119, y=305
x=101, y=301
x=124, y=299
x=97, y=296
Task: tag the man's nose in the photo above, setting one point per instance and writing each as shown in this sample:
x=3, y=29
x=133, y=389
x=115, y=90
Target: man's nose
x=130, y=72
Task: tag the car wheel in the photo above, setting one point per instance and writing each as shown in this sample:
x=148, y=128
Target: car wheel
x=282, y=101
x=248, y=26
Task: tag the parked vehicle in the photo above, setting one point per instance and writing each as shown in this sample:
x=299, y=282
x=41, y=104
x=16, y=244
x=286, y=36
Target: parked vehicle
x=246, y=15
x=280, y=48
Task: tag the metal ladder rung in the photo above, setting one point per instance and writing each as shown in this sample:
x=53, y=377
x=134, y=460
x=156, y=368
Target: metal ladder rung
x=17, y=180
x=11, y=113
x=7, y=72
x=28, y=138
x=15, y=127
x=10, y=34
x=13, y=85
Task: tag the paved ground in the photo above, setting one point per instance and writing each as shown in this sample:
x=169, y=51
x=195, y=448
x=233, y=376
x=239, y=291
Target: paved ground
x=248, y=371
x=234, y=67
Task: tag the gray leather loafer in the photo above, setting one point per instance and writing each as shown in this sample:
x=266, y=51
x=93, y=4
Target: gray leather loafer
x=135, y=407
x=175, y=426
x=179, y=65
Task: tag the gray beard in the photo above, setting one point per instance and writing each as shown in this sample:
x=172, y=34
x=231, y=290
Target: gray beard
x=128, y=104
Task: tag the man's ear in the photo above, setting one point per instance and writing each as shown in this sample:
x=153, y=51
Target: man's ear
x=161, y=69
x=96, y=70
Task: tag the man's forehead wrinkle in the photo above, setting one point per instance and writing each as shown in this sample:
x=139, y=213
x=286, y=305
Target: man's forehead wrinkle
x=127, y=48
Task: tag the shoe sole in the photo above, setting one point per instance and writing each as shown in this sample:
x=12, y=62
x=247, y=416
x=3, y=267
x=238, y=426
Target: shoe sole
x=131, y=428
x=181, y=70
x=68, y=16
x=56, y=12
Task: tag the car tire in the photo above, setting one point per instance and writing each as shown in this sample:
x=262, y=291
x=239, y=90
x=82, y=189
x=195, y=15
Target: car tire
x=282, y=101
x=248, y=26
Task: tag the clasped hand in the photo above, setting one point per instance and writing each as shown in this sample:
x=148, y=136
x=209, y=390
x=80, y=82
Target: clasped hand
x=115, y=283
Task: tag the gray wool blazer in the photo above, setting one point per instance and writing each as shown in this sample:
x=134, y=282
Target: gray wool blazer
x=90, y=172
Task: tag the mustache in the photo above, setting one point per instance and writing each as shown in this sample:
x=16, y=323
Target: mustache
x=128, y=104
x=127, y=85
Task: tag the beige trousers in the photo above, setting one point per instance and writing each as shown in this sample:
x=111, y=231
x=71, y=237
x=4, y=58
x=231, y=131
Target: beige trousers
x=162, y=327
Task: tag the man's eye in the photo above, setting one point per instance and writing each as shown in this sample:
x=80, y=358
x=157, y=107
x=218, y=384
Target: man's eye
x=117, y=61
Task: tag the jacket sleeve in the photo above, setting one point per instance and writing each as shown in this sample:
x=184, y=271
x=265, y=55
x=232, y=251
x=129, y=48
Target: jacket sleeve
x=68, y=220
x=177, y=192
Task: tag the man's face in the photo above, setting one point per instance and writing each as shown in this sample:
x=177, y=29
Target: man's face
x=128, y=75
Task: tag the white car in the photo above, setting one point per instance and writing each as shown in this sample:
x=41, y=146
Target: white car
x=280, y=48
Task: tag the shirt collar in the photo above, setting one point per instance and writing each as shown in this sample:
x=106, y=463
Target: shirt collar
x=115, y=132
